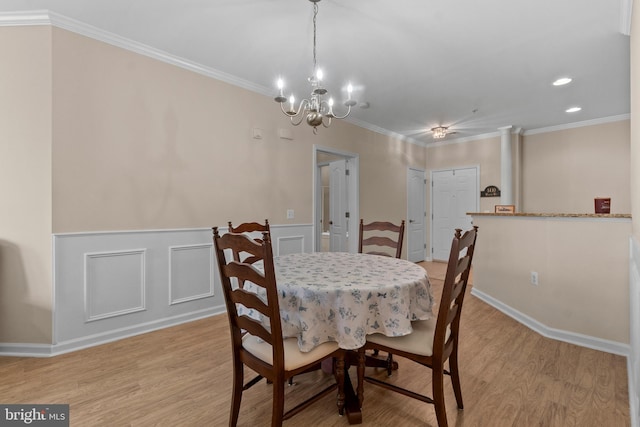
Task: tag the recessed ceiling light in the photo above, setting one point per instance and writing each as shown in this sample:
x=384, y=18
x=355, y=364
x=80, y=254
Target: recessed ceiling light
x=562, y=81
x=573, y=109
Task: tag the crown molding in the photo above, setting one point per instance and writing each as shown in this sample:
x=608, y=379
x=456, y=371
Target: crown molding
x=574, y=125
x=47, y=17
x=24, y=18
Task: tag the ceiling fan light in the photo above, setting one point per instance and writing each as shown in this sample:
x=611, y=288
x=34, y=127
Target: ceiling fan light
x=439, y=132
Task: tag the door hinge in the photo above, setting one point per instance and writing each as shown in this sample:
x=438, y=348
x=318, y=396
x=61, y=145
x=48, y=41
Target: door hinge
x=346, y=214
x=346, y=172
x=425, y=246
x=425, y=180
x=425, y=213
x=431, y=250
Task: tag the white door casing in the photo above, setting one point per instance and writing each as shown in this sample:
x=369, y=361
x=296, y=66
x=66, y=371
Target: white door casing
x=416, y=215
x=352, y=194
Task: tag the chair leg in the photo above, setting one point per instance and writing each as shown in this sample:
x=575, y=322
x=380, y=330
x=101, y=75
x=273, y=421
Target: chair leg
x=455, y=377
x=236, y=398
x=277, y=412
x=360, y=372
x=389, y=364
x=438, y=395
x=339, y=374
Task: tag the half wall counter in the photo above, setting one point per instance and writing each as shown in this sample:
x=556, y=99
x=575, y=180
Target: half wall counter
x=564, y=275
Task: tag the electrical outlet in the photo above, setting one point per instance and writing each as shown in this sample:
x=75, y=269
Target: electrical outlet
x=534, y=278
x=290, y=214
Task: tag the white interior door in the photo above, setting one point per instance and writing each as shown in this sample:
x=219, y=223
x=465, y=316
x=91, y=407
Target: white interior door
x=338, y=202
x=416, y=199
x=454, y=192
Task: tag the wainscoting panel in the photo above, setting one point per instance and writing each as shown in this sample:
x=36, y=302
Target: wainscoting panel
x=290, y=245
x=190, y=273
x=114, y=284
x=111, y=285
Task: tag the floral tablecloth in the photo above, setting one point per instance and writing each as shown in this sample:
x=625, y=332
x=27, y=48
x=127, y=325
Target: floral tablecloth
x=339, y=296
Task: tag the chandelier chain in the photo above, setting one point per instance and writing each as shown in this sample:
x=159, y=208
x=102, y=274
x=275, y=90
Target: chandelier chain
x=315, y=14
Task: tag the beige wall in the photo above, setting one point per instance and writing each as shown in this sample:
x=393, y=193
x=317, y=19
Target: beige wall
x=25, y=185
x=564, y=171
x=157, y=146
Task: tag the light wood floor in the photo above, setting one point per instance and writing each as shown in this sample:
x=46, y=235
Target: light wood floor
x=180, y=376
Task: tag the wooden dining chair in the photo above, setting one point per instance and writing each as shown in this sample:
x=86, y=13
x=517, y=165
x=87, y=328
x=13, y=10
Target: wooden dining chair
x=382, y=235
x=432, y=341
x=387, y=236
x=262, y=348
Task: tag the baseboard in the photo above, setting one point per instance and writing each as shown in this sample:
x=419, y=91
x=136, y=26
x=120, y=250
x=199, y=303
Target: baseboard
x=50, y=350
x=557, y=334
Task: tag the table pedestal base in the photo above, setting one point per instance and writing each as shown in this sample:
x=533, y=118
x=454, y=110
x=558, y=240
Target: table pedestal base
x=352, y=406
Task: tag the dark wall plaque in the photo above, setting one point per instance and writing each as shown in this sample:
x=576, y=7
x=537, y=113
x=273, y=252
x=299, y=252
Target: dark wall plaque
x=490, y=191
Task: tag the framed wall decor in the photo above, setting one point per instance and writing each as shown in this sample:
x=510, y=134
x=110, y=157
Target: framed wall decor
x=505, y=209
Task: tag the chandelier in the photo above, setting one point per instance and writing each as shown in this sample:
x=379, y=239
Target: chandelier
x=439, y=132
x=316, y=109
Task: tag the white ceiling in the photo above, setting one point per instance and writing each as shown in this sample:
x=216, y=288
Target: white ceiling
x=472, y=65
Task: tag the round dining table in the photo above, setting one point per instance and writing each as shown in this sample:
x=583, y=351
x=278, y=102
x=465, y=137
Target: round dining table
x=343, y=297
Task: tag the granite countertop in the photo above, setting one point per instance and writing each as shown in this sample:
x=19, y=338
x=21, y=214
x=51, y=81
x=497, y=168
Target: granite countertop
x=553, y=215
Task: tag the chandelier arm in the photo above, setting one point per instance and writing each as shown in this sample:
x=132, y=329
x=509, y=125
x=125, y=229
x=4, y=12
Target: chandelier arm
x=345, y=115
x=328, y=123
x=304, y=106
x=293, y=113
x=294, y=122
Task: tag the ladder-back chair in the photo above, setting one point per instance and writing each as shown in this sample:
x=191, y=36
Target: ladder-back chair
x=432, y=341
x=262, y=348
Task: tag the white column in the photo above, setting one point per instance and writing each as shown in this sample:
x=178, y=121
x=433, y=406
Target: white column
x=506, y=166
x=517, y=168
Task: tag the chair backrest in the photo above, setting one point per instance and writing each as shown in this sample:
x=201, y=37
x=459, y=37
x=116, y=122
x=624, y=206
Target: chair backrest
x=265, y=300
x=453, y=291
x=381, y=234
x=250, y=229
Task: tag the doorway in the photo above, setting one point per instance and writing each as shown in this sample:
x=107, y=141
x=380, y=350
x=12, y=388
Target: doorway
x=454, y=192
x=336, y=195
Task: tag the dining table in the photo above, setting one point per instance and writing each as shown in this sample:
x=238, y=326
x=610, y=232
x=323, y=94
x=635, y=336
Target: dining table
x=343, y=297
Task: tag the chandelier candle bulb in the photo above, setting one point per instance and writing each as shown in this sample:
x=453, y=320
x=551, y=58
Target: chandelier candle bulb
x=280, y=98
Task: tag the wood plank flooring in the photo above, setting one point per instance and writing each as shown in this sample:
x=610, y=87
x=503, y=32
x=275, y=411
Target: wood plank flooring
x=180, y=376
